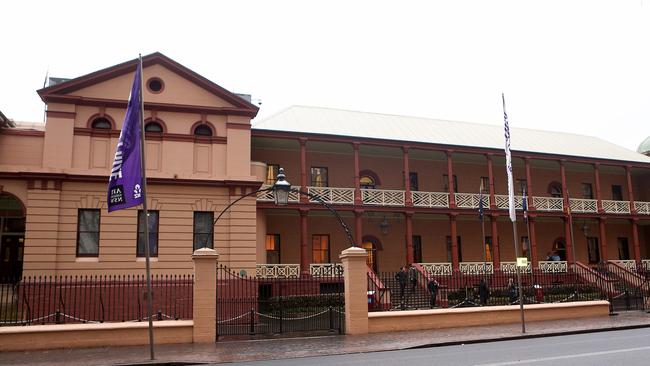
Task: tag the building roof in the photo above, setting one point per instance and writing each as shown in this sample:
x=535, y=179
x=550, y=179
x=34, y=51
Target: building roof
x=6, y=122
x=644, y=148
x=327, y=121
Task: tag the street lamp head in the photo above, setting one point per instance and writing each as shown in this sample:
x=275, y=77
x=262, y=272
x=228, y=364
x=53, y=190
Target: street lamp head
x=281, y=189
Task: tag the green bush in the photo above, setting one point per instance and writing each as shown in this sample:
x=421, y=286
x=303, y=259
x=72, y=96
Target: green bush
x=300, y=303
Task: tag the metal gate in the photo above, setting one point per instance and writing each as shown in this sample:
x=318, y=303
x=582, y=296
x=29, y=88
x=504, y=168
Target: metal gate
x=304, y=305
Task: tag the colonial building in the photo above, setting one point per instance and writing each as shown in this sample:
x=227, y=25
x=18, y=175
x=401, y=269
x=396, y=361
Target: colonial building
x=407, y=188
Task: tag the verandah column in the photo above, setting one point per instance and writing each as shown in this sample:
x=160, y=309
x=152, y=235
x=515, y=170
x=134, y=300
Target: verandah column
x=603, y=239
x=493, y=204
x=495, y=242
x=355, y=277
x=533, y=242
x=454, y=241
x=303, y=169
x=358, y=226
x=450, y=181
x=567, y=239
x=409, y=236
x=635, y=240
x=407, y=181
x=630, y=190
x=565, y=192
x=357, y=175
x=529, y=185
x=204, y=304
x=599, y=203
x=304, y=262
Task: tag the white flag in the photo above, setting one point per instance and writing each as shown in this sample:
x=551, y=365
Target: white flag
x=511, y=193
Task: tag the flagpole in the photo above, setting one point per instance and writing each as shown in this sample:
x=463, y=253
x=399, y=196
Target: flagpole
x=513, y=216
x=483, y=231
x=147, y=250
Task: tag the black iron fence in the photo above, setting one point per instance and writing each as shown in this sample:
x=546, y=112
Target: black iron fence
x=93, y=299
x=249, y=305
x=414, y=290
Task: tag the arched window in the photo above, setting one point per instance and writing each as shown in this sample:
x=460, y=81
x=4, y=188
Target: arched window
x=555, y=189
x=153, y=127
x=203, y=130
x=101, y=123
x=367, y=182
x=371, y=244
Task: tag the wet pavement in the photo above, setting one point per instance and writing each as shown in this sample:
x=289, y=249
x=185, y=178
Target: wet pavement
x=278, y=348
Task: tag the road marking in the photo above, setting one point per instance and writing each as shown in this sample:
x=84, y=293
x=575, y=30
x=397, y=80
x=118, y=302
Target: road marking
x=590, y=354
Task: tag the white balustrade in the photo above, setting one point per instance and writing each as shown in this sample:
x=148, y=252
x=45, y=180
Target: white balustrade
x=342, y=196
x=642, y=208
x=511, y=267
x=474, y=268
x=548, y=203
x=269, y=196
x=503, y=203
x=646, y=264
x=430, y=199
x=620, y=207
x=629, y=264
x=325, y=269
x=437, y=269
x=470, y=200
x=583, y=205
x=553, y=266
x=277, y=270
x=382, y=197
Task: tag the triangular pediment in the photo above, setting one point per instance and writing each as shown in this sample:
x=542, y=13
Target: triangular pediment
x=181, y=87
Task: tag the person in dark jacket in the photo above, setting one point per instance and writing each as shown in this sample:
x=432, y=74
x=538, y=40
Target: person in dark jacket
x=513, y=291
x=402, y=279
x=432, y=286
x=413, y=278
x=483, y=292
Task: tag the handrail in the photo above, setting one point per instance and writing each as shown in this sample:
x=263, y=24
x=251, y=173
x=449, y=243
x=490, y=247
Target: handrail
x=379, y=287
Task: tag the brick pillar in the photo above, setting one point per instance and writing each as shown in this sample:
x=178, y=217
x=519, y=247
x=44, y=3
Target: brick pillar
x=204, y=305
x=603, y=239
x=357, y=176
x=534, y=257
x=409, y=236
x=450, y=181
x=454, y=241
x=355, y=275
x=495, y=242
x=635, y=240
x=493, y=204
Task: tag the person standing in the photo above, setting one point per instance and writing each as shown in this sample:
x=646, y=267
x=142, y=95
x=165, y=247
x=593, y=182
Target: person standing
x=432, y=286
x=413, y=278
x=512, y=291
x=483, y=292
x=402, y=279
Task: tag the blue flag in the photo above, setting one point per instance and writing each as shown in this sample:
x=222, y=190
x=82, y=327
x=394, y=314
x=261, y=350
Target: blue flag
x=480, y=203
x=125, y=182
x=524, y=205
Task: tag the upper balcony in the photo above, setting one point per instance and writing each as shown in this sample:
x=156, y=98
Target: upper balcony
x=397, y=198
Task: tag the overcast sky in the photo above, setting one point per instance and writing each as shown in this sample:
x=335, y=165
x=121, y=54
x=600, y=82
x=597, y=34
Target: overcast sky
x=572, y=66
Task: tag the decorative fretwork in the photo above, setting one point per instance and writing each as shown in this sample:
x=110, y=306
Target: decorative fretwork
x=437, y=269
x=325, y=269
x=642, y=208
x=268, y=196
x=470, y=200
x=430, y=199
x=473, y=268
x=511, y=267
x=621, y=207
x=646, y=264
x=553, y=266
x=277, y=270
x=548, y=203
x=629, y=264
x=382, y=197
x=583, y=205
x=503, y=203
x=342, y=196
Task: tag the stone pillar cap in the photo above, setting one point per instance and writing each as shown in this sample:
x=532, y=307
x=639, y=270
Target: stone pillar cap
x=353, y=252
x=205, y=253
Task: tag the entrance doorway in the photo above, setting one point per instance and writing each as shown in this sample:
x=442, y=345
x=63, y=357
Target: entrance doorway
x=12, y=238
x=371, y=244
x=559, y=246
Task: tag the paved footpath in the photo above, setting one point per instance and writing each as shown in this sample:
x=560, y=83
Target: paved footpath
x=266, y=349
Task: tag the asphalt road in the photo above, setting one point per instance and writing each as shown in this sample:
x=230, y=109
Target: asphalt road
x=628, y=347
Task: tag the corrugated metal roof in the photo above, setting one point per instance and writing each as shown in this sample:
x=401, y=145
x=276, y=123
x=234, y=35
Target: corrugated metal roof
x=318, y=120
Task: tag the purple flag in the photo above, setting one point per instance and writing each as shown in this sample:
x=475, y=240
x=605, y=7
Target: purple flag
x=125, y=182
